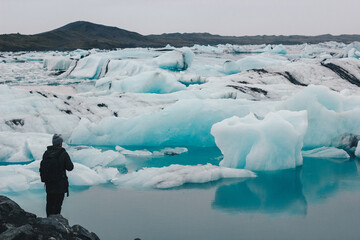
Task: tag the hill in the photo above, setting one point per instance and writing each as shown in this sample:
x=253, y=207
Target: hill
x=86, y=35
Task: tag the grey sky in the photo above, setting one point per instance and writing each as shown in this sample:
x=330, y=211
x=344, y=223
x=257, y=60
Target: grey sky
x=224, y=17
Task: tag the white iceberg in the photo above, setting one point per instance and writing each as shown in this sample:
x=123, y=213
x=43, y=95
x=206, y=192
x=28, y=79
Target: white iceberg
x=92, y=157
x=331, y=115
x=57, y=63
x=177, y=60
x=148, y=82
x=251, y=62
x=326, y=152
x=357, y=151
x=82, y=175
x=272, y=143
x=177, y=175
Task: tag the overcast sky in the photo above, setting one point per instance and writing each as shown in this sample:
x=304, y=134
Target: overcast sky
x=224, y=17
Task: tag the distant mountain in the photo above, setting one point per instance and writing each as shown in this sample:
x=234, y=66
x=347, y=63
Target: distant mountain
x=86, y=35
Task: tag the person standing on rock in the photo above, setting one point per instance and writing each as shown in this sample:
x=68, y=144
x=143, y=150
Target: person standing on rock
x=53, y=168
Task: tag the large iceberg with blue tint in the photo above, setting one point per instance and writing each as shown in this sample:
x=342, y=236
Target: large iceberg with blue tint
x=272, y=143
x=331, y=116
x=185, y=123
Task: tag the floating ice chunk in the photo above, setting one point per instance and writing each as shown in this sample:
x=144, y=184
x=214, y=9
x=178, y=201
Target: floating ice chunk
x=170, y=151
x=93, y=157
x=148, y=82
x=16, y=178
x=177, y=60
x=126, y=67
x=23, y=147
x=326, y=152
x=189, y=79
x=251, y=62
x=269, y=144
x=357, y=151
x=89, y=67
x=58, y=63
x=107, y=173
x=138, y=153
x=332, y=116
x=279, y=49
x=177, y=175
x=79, y=53
x=84, y=176
x=354, y=53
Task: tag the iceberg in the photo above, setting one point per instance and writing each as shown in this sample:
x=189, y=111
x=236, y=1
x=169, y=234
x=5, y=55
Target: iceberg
x=125, y=67
x=89, y=67
x=58, y=63
x=148, y=82
x=176, y=60
x=23, y=147
x=85, y=176
x=332, y=116
x=326, y=152
x=177, y=175
x=354, y=53
x=16, y=178
x=92, y=157
x=357, y=151
x=251, y=62
x=184, y=123
x=272, y=143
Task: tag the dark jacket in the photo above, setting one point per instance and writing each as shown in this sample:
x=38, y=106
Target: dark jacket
x=61, y=186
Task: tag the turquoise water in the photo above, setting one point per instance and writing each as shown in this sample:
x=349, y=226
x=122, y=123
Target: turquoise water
x=319, y=200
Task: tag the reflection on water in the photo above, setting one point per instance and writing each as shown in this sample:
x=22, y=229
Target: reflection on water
x=288, y=192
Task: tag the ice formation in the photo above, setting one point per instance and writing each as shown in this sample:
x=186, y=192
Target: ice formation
x=251, y=62
x=177, y=175
x=59, y=63
x=176, y=60
x=148, y=82
x=272, y=143
x=326, y=152
x=92, y=157
x=85, y=176
x=23, y=147
x=172, y=97
x=357, y=151
x=331, y=116
x=172, y=126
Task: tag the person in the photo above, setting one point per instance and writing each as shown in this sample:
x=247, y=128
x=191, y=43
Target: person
x=55, y=162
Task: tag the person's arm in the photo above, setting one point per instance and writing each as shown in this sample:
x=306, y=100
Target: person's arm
x=68, y=163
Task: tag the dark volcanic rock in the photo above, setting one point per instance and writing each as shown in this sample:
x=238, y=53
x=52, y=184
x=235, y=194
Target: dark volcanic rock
x=17, y=224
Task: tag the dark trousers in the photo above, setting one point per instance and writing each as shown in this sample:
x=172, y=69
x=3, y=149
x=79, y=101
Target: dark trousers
x=53, y=203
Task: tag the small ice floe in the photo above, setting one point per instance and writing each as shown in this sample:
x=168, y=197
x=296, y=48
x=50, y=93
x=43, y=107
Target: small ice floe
x=177, y=175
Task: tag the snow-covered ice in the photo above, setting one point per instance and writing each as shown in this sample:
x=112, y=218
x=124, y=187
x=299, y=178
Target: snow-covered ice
x=177, y=175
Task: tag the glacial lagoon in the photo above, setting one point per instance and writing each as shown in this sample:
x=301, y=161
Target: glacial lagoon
x=318, y=200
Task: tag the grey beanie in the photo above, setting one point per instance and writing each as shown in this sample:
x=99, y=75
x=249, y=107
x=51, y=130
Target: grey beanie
x=57, y=139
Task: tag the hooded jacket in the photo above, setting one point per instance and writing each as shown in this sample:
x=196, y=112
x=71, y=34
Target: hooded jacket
x=65, y=163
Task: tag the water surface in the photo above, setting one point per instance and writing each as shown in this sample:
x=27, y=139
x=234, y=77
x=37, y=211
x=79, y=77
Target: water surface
x=319, y=200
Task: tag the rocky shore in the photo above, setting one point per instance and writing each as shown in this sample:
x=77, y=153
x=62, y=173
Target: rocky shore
x=17, y=224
